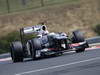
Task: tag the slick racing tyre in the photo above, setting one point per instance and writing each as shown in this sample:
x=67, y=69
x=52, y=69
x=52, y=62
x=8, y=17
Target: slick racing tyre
x=35, y=45
x=80, y=49
x=78, y=37
x=16, y=51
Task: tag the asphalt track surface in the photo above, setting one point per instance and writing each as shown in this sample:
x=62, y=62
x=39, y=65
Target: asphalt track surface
x=85, y=63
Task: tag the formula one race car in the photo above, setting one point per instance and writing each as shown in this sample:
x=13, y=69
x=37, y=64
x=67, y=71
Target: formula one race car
x=47, y=44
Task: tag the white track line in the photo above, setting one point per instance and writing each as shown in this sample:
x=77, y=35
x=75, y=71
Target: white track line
x=58, y=66
x=5, y=59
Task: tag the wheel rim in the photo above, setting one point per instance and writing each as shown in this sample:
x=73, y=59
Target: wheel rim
x=33, y=52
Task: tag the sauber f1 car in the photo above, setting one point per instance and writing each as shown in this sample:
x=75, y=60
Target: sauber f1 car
x=47, y=44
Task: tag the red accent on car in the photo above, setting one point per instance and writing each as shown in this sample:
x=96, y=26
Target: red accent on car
x=75, y=44
x=52, y=49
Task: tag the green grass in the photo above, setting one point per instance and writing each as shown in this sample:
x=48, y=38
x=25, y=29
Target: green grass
x=6, y=40
x=51, y=2
x=3, y=6
x=96, y=28
x=17, y=5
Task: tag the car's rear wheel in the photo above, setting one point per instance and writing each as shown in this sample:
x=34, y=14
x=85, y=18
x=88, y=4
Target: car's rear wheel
x=35, y=45
x=78, y=37
x=16, y=51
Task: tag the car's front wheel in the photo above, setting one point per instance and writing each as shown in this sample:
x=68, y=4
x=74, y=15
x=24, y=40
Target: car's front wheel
x=78, y=37
x=80, y=49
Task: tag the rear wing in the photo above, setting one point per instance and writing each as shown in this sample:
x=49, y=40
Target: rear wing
x=32, y=30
